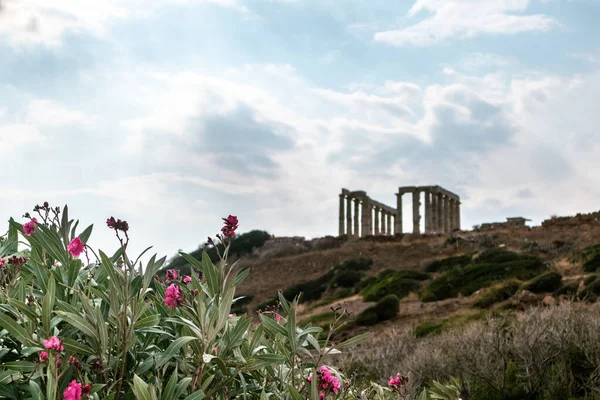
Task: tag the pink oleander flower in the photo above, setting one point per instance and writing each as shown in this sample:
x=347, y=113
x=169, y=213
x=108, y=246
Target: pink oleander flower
x=43, y=356
x=87, y=388
x=172, y=275
x=397, y=381
x=2, y=262
x=53, y=344
x=187, y=279
x=73, y=391
x=277, y=318
x=172, y=296
x=76, y=247
x=29, y=227
x=231, y=224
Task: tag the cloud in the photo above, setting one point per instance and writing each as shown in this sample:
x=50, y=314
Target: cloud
x=27, y=22
x=465, y=19
x=50, y=113
x=14, y=136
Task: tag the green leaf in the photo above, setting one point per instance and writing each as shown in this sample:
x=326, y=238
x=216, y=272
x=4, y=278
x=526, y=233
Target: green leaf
x=198, y=395
x=354, y=341
x=15, y=329
x=79, y=323
x=182, y=386
x=35, y=391
x=294, y=393
x=140, y=389
x=271, y=325
x=171, y=385
x=263, y=395
x=173, y=349
x=264, y=360
x=85, y=235
x=241, y=277
x=148, y=321
x=291, y=328
x=23, y=366
x=48, y=305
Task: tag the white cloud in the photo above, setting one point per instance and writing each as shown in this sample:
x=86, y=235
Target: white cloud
x=50, y=113
x=45, y=22
x=465, y=19
x=15, y=136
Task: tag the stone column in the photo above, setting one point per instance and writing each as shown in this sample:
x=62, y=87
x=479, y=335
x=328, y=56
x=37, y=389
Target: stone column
x=349, y=216
x=451, y=218
x=446, y=214
x=416, y=214
x=377, y=226
x=389, y=223
x=356, y=217
x=427, y=211
x=366, y=218
x=457, y=215
x=434, y=215
x=439, y=212
x=398, y=220
x=342, y=230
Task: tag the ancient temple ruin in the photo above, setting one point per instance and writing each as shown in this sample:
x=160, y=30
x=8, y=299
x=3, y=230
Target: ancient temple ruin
x=362, y=216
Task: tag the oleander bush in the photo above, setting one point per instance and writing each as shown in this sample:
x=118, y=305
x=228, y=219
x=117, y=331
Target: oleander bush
x=76, y=323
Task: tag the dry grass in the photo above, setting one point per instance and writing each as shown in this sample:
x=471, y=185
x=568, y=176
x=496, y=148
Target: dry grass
x=552, y=352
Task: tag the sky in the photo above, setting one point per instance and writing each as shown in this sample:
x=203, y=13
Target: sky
x=172, y=114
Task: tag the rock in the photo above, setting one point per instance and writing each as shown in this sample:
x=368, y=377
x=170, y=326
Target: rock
x=548, y=301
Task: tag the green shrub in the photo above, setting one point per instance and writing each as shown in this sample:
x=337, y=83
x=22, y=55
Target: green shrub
x=355, y=264
x=547, y=282
x=367, y=318
x=395, y=285
x=121, y=334
x=590, y=257
x=428, y=328
x=447, y=264
x=469, y=279
x=589, y=280
x=388, y=307
x=365, y=283
x=347, y=279
x=591, y=291
x=385, y=309
x=568, y=289
x=498, y=294
x=400, y=283
x=495, y=256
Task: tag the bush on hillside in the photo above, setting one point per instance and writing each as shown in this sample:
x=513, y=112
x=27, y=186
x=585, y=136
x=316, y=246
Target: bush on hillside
x=346, y=274
x=568, y=289
x=496, y=256
x=469, y=279
x=497, y=294
x=400, y=283
x=427, y=329
x=547, y=282
x=591, y=258
x=385, y=309
x=447, y=264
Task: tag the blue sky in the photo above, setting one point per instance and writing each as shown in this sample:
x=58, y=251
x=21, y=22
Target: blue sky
x=174, y=113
